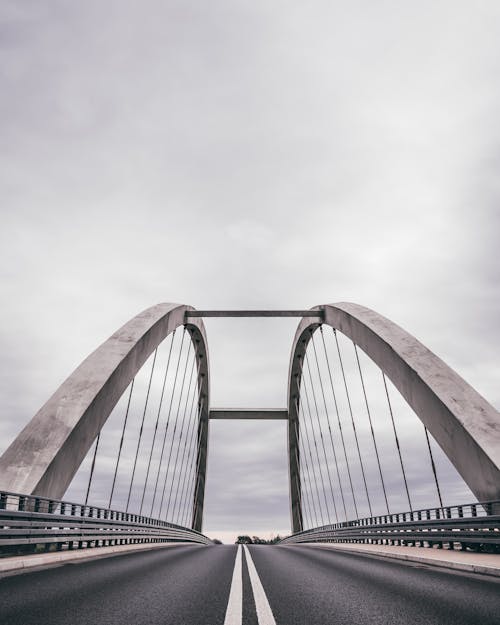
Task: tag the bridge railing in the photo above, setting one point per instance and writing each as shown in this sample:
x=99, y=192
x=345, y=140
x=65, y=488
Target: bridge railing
x=30, y=523
x=470, y=525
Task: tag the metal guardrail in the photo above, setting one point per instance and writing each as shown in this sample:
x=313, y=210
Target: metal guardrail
x=29, y=523
x=472, y=525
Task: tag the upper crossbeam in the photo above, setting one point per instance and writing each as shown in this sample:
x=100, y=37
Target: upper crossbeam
x=254, y=313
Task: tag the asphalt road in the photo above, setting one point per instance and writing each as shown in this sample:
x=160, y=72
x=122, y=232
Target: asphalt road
x=284, y=585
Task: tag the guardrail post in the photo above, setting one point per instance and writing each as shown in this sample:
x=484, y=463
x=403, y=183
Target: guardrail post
x=3, y=501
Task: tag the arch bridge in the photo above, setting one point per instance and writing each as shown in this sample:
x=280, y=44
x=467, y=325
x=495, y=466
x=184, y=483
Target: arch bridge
x=337, y=463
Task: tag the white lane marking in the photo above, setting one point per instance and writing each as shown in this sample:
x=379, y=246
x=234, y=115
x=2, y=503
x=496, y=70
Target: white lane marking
x=234, y=612
x=264, y=613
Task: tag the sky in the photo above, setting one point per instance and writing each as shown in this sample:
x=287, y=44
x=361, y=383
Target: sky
x=239, y=154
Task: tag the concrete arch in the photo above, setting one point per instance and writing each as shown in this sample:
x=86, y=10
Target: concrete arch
x=463, y=423
x=45, y=456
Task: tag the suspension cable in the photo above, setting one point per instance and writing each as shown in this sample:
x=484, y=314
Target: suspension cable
x=371, y=426
x=313, y=434
x=156, y=424
x=176, y=470
x=160, y=466
x=92, y=467
x=339, y=424
x=313, y=464
x=302, y=502
x=309, y=466
x=352, y=421
x=313, y=392
x=397, y=442
x=191, y=457
x=189, y=480
x=175, y=427
x=142, y=428
x=187, y=443
x=196, y=466
x=176, y=476
x=433, y=467
x=309, y=494
x=329, y=426
x=121, y=443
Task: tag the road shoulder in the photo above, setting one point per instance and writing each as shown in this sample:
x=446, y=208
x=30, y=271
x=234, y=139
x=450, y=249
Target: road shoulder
x=479, y=563
x=18, y=564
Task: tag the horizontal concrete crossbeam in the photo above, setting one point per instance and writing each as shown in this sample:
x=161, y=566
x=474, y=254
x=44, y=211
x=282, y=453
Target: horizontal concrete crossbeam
x=249, y=413
x=253, y=313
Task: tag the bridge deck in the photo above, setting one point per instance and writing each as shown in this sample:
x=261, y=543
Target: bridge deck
x=264, y=585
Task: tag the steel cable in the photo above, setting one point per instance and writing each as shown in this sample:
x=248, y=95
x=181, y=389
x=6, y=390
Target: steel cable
x=309, y=466
x=167, y=423
x=188, y=443
x=353, y=424
x=397, y=442
x=309, y=495
x=191, y=457
x=157, y=422
x=371, y=427
x=141, y=430
x=175, y=427
x=313, y=464
x=196, y=466
x=313, y=434
x=179, y=473
x=321, y=432
x=121, y=443
x=329, y=425
x=92, y=467
x=189, y=436
x=340, y=426
x=433, y=467
x=191, y=490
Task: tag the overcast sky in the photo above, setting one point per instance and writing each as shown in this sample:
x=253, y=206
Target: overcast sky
x=234, y=154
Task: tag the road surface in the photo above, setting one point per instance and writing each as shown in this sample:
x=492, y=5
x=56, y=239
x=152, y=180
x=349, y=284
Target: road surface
x=259, y=585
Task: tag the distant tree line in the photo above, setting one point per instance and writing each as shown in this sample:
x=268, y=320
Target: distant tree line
x=255, y=540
